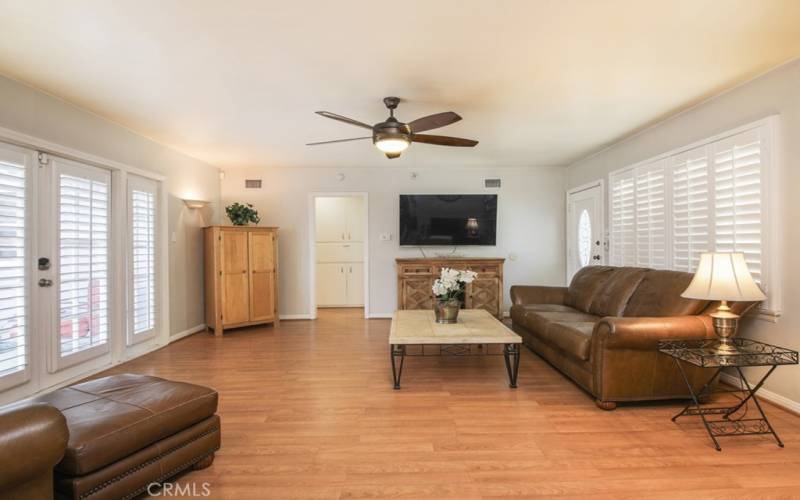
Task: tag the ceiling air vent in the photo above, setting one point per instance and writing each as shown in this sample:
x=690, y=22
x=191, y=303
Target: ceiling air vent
x=491, y=183
x=252, y=183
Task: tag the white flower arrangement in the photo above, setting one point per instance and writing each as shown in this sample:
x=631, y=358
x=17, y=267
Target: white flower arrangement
x=451, y=283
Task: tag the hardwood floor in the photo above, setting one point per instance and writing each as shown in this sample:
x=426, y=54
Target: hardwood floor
x=308, y=412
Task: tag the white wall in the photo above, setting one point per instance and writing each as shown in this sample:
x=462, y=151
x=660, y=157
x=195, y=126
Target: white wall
x=530, y=220
x=28, y=111
x=777, y=92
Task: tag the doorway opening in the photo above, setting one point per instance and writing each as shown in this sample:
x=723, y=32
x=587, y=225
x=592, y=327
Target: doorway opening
x=585, y=227
x=339, y=252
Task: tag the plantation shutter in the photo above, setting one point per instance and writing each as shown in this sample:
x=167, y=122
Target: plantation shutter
x=14, y=332
x=622, y=219
x=83, y=238
x=142, y=195
x=708, y=198
x=737, y=198
x=690, y=209
x=650, y=215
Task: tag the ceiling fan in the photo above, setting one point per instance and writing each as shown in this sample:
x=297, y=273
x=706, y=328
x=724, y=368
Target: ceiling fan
x=392, y=137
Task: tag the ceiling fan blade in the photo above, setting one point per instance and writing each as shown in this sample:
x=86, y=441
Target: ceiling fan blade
x=338, y=140
x=431, y=122
x=443, y=140
x=334, y=116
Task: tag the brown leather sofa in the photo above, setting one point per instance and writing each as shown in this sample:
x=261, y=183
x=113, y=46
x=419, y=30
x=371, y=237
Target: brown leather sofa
x=33, y=438
x=603, y=330
x=117, y=435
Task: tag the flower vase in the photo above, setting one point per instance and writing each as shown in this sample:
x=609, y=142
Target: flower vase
x=446, y=311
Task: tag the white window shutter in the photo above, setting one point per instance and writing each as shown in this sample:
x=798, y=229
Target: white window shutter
x=84, y=209
x=738, y=198
x=651, y=215
x=622, y=219
x=708, y=197
x=14, y=331
x=142, y=206
x=691, y=235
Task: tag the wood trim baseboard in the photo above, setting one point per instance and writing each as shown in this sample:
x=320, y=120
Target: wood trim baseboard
x=770, y=397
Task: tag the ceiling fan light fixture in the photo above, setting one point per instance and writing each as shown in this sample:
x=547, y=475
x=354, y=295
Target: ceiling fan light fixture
x=392, y=144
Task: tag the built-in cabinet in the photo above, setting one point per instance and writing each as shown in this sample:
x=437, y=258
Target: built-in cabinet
x=415, y=279
x=241, y=279
x=339, y=230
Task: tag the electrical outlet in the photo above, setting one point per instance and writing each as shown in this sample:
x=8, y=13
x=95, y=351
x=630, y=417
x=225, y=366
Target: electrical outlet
x=385, y=236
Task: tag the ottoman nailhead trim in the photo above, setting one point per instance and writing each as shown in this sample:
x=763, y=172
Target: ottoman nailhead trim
x=153, y=460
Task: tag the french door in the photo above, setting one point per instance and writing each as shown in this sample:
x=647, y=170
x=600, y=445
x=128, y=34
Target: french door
x=585, y=227
x=78, y=268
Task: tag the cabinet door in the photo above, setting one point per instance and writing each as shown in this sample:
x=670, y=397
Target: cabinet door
x=331, y=284
x=262, y=275
x=330, y=219
x=235, y=289
x=355, y=284
x=355, y=218
x=417, y=293
x=484, y=293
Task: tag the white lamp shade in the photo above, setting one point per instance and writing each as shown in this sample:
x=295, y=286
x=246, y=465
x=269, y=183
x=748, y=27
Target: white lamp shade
x=723, y=276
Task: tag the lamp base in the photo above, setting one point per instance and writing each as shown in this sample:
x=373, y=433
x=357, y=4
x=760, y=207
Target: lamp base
x=725, y=323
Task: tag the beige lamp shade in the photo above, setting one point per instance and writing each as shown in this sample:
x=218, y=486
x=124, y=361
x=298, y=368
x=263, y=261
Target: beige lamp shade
x=723, y=276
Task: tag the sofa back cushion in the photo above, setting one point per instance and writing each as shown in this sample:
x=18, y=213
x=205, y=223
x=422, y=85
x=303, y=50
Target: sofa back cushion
x=584, y=286
x=659, y=294
x=613, y=296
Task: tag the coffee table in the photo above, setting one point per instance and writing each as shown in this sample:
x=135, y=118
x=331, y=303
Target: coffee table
x=477, y=333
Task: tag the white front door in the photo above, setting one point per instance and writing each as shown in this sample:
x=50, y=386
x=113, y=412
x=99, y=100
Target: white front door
x=585, y=227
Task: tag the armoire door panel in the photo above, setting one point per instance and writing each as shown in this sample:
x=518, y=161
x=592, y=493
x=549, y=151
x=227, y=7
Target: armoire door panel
x=262, y=298
x=262, y=276
x=235, y=279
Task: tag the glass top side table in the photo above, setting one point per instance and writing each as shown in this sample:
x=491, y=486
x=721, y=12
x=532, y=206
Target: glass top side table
x=703, y=353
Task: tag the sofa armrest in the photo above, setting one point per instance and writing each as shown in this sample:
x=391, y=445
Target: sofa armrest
x=644, y=333
x=538, y=294
x=33, y=438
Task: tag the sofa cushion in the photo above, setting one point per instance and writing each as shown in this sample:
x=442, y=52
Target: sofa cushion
x=537, y=322
x=574, y=339
x=113, y=417
x=518, y=311
x=585, y=285
x=659, y=294
x=613, y=296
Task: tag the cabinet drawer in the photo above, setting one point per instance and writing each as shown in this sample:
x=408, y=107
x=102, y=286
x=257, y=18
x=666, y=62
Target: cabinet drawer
x=486, y=270
x=416, y=269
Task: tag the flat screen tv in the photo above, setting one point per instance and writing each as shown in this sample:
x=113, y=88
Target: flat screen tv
x=445, y=219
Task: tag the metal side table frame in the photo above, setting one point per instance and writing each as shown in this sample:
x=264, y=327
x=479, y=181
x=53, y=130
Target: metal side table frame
x=702, y=353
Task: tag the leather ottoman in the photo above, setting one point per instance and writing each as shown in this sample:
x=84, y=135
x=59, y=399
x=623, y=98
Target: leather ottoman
x=128, y=431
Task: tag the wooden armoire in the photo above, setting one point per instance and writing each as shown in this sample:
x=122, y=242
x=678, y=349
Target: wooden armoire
x=415, y=279
x=241, y=278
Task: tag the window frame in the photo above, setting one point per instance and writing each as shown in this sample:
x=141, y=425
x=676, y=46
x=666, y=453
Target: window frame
x=768, y=129
x=138, y=183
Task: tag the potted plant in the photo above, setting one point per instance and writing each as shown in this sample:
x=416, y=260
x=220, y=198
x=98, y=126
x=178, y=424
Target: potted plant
x=241, y=215
x=449, y=291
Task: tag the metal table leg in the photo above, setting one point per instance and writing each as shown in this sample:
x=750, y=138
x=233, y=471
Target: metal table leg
x=397, y=350
x=751, y=394
x=512, y=365
x=695, y=409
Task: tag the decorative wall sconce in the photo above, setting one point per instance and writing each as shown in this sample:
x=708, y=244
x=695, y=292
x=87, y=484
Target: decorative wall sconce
x=195, y=203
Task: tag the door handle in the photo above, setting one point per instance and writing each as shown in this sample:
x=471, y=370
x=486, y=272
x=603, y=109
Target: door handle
x=341, y=269
x=348, y=236
x=44, y=283
x=351, y=269
x=343, y=236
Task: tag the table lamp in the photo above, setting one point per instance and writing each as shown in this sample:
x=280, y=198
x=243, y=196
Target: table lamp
x=723, y=277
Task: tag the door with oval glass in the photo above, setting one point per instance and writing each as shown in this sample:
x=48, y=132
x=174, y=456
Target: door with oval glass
x=585, y=227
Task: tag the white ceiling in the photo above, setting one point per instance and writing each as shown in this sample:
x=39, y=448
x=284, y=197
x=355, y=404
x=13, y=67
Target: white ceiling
x=538, y=82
